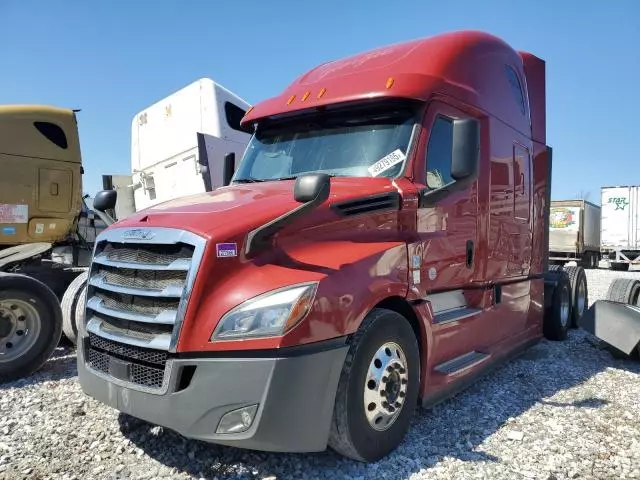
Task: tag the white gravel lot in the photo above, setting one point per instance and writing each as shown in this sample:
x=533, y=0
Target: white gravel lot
x=562, y=410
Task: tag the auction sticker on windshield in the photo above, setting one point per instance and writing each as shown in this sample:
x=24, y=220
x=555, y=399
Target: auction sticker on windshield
x=385, y=163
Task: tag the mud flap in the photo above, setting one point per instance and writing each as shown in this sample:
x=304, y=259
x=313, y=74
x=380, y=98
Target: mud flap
x=617, y=324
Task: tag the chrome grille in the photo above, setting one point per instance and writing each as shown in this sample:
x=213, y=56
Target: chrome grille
x=147, y=375
x=135, y=304
x=134, y=329
x=127, y=351
x=144, y=375
x=147, y=254
x=151, y=279
x=137, y=293
x=98, y=360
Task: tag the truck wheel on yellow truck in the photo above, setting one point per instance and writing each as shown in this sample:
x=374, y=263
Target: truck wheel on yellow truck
x=30, y=325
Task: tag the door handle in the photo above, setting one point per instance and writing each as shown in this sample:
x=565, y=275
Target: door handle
x=470, y=249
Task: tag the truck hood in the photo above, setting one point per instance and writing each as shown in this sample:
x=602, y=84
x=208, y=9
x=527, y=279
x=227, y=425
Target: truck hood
x=235, y=209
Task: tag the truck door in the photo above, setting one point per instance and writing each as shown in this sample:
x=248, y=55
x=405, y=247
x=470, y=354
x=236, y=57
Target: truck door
x=520, y=263
x=448, y=230
x=447, y=235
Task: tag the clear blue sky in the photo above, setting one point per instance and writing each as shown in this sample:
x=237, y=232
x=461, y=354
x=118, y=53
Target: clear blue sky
x=114, y=58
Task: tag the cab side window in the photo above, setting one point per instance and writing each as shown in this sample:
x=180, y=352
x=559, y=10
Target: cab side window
x=439, y=153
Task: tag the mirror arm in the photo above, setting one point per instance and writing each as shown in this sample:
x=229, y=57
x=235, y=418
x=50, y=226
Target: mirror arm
x=105, y=217
x=261, y=237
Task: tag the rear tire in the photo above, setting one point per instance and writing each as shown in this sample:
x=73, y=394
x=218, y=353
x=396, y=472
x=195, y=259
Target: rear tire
x=381, y=367
x=29, y=307
x=579, y=294
x=624, y=290
x=557, y=317
x=70, y=302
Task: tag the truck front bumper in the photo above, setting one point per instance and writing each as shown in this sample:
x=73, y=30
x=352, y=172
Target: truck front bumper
x=293, y=395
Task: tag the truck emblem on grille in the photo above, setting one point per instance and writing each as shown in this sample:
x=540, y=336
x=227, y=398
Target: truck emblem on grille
x=138, y=234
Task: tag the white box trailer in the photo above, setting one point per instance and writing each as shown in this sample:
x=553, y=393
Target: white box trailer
x=178, y=145
x=574, y=232
x=620, y=235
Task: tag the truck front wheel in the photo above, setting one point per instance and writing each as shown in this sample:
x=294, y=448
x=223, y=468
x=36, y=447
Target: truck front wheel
x=378, y=388
x=30, y=325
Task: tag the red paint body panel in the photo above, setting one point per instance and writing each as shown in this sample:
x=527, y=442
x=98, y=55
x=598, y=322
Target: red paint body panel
x=467, y=66
x=362, y=260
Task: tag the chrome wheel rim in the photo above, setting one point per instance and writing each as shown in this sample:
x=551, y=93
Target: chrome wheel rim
x=20, y=326
x=565, y=307
x=385, y=386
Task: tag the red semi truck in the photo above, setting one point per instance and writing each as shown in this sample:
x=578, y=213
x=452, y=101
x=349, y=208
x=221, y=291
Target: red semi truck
x=382, y=242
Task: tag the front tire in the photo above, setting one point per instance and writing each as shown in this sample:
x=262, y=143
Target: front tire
x=30, y=325
x=378, y=388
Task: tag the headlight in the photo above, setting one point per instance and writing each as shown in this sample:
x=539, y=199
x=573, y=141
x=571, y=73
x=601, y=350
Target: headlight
x=267, y=315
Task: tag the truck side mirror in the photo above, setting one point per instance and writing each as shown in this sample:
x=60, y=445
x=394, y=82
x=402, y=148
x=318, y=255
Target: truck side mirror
x=105, y=200
x=313, y=187
x=465, y=162
x=466, y=149
x=228, y=168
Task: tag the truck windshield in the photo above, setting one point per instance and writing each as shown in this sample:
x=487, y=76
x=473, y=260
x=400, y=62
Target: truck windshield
x=349, y=144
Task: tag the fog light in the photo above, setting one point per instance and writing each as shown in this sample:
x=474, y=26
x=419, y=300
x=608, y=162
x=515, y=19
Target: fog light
x=237, y=421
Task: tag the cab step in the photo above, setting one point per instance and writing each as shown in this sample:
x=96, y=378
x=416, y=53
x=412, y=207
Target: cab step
x=455, y=315
x=461, y=363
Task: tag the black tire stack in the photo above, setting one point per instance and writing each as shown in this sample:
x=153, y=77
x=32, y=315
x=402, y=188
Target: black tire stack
x=571, y=286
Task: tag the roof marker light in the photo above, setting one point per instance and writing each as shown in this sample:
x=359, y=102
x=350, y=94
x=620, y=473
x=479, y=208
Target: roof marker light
x=306, y=95
x=322, y=92
x=390, y=82
x=291, y=99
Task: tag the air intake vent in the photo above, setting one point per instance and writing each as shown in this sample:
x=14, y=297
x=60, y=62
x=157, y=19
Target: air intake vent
x=374, y=203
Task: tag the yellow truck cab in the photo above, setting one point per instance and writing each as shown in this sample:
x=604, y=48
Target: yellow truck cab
x=42, y=250
x=41, y=174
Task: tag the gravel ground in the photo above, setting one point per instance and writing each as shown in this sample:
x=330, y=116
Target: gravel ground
x=562, y=410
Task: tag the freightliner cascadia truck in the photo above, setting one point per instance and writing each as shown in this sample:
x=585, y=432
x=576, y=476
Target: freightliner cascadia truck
x=383, y=241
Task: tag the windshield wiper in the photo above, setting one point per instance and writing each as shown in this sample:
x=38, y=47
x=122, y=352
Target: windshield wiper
x=277, y=179
x=293, y=177
x=249, y=180
x=290, y=177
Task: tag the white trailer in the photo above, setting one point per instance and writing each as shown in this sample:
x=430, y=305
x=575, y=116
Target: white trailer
x=178, y=145
x=574, y=232
x=620, y=235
